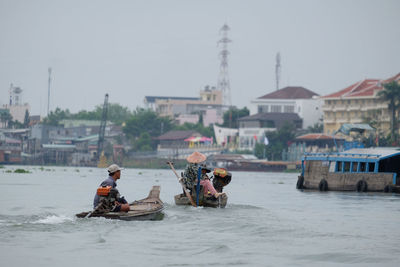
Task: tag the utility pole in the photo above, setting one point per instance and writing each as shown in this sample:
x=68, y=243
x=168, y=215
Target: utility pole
x=48, y=93
x=278, y=70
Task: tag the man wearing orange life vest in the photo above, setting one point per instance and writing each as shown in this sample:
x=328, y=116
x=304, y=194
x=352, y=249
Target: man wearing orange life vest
x=114, y=172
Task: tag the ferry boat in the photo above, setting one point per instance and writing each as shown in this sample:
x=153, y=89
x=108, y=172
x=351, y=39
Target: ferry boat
x=370, y=169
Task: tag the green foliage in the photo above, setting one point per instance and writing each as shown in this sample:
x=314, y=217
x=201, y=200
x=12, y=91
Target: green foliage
x=278, y=141
x=5, y=117
x=232, y=115
x=115, y=113
x=26, y=119
x=391, y=93
x=21, y=171
x=56, y=116
x=146, y=121
x=143, y=143
x=199, y=127
x=316, y=128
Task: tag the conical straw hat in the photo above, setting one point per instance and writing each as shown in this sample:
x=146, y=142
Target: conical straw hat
x=196, y=157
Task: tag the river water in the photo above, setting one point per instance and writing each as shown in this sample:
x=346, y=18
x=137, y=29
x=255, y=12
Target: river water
x=267, y=222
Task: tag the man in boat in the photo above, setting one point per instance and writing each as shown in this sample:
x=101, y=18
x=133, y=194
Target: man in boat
x=114, y=173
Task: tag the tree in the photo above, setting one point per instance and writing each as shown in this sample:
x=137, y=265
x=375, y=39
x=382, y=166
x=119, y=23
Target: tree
x=199, y=127
x=278, y=141
x=26, y=119
x=5, y=117
x=316, y=128
x=232, y=115
x=146, y=121
x=391, y=93
x=56, y=116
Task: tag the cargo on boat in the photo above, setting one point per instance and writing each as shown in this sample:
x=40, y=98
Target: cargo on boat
x=149, y=208
x=370, y=169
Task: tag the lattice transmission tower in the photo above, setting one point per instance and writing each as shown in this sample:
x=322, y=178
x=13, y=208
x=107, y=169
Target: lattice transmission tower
x=223, y=77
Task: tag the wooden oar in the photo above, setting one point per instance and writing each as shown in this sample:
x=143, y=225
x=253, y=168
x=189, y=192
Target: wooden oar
x=182, y=184
x=94, y=210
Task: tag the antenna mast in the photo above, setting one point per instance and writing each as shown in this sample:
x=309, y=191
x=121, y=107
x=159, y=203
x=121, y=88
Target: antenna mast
x=278, y=70
x=223, y=78
x=48, y=93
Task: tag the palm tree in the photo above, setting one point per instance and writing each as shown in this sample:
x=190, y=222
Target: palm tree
x=391, y=93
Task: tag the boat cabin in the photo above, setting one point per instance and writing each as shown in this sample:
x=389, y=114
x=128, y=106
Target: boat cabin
x=371, y=169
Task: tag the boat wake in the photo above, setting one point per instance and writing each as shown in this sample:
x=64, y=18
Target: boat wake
x=53, y=219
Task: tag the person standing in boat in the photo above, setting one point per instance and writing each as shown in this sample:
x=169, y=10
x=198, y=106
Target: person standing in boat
x=190, y=174
x=114, y=173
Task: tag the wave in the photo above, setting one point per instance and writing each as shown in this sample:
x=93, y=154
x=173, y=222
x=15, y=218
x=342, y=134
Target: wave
x=53, y=219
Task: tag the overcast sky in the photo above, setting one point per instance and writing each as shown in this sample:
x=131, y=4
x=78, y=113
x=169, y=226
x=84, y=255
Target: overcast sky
x=131, y=49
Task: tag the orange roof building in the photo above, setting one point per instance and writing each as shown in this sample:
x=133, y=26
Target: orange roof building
x=357, y=103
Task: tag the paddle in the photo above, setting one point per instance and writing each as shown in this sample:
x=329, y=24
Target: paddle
x=94, y=210
x=182, y=184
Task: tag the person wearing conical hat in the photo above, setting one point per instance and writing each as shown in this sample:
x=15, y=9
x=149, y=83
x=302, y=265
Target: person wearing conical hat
x=190, y=174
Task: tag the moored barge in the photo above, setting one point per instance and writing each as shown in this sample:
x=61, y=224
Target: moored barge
x=362, y=170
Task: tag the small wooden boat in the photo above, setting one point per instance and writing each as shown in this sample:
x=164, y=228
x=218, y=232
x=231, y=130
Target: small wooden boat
x=149, y=208
x=221, y=179
x=204, y=201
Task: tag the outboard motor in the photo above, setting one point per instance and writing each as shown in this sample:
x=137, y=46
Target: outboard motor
x=221, y=178
x=108, y=197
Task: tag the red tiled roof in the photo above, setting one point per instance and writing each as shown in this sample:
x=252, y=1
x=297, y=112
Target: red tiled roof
x=391, y=79
x=290, y=92
x=363, y=88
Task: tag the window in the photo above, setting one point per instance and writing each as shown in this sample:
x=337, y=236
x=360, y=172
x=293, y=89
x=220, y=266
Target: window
x=332, y=166
x=263, y=109
x=288, y=109
x=362, y=166
x=276, y=108
x=346, y=166
x=371, y=167
x=339, y=166
x=354, y=168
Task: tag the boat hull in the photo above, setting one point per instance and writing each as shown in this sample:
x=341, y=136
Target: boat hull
x=150, y=208
x=203, y=202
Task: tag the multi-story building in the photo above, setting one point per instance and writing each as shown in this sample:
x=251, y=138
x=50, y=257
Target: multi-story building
x=209, y=104
x=299, y=100
x=252, y=128
x=358, y=103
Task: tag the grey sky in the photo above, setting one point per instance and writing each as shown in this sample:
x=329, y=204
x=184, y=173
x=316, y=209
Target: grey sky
x=169, y=47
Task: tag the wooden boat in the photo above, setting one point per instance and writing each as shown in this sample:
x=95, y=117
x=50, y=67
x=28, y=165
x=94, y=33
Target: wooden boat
x=149, y=208
x=181, y=199
x=372, y=169
x=221, y=179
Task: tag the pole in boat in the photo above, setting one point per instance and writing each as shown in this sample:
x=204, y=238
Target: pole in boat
x=198, y=186
x=182, y=184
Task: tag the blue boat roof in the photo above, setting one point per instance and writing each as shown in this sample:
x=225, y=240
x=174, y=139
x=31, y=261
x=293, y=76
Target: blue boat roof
x=376, y=153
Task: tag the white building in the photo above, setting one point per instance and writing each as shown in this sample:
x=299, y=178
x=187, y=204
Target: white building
x=299, y=100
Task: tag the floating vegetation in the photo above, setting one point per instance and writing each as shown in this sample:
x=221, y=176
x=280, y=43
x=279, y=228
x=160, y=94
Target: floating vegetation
x=140, y=173
x=41, y=168
x=1, y=167
x=77, y=170
x=8, y=171
x=21, y=171
x=281, y=182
